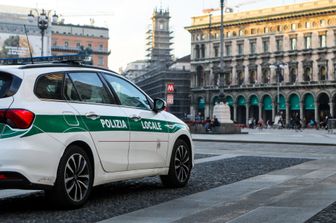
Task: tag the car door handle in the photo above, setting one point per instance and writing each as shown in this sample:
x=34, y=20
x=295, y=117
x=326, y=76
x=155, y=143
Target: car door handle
x=136, y=118
x=92, y=115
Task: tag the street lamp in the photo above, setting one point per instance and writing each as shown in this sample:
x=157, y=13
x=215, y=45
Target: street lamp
x=223, y=7
x=278, y=67
x=42, y=22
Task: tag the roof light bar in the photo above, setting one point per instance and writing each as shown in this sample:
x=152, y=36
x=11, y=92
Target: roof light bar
x=70, y=58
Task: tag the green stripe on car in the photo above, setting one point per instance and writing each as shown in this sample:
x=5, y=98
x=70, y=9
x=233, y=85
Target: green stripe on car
x=72, y=123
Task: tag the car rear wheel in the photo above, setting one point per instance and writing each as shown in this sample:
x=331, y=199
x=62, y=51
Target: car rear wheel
x=74, y=179
x=180, y=166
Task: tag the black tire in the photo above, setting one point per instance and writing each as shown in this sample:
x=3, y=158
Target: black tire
x=180, y=166
x=74, y=179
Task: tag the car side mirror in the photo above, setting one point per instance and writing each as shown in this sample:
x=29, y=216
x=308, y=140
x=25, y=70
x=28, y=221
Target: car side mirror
x=159, y=105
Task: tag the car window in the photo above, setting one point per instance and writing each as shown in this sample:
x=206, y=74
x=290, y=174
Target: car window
x=50, y=86
x=5, y=82
x=127, y=93
x=70, y=91
x=90, y=88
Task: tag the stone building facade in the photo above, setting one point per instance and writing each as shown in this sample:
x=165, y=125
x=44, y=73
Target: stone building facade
x=291, y=47
x=69, y=38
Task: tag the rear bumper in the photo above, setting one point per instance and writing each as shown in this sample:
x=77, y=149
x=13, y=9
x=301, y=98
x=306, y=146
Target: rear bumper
x=33, y=158
x=13, y=180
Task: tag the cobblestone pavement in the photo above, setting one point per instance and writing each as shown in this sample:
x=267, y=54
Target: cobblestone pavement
x=124, y=197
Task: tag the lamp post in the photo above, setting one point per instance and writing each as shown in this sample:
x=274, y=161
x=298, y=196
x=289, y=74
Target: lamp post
x=279, y=68
x=42, y=22
x=223, y=7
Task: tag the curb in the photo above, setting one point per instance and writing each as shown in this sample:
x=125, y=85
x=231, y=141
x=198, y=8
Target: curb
x=265, y=142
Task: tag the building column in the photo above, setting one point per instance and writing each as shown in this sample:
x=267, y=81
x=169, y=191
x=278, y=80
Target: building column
x=247, y=113
x=300, y=71
x=331, y=70
x=234, y=75
x=247, y=75
x=235, y=112
x=260, y=111
x=301, y=110
x=259, y=74
x=315, y=75
x=207, y=111
x=273, y=111
x=287, y=113
x=316, y=114
x=332, y=111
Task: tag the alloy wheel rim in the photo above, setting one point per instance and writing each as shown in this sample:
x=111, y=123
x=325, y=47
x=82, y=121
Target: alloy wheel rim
x=182, y=160
x=76, y=177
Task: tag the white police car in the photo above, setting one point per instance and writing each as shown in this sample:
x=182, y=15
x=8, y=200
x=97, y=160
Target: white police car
x=66, y=127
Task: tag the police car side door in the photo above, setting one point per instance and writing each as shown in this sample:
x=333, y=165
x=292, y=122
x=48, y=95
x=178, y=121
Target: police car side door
x=149, y=132
x=105, y=120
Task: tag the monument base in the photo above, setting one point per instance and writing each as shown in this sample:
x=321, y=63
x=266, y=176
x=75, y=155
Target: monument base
x=225, y=128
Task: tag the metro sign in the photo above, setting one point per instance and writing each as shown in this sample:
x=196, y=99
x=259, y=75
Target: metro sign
x=170, y=99
x=170, y=88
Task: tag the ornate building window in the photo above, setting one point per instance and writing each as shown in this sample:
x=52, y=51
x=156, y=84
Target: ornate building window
x=293, y=27
x=228, y=79
x=253, y=77
x=253, y=46
x=308, y=41
x=323, y=22
x=240, y=47
x=203, y=51
x=323, y=73
x=323, y=40
x=197, y=51
x=216, y=51
x=307, y=75
x=240, y=77
x=293, y=43
x=279, y=28
x=279, y=43
x=265, y=45
x=228, y=49
x=266, y=76
x=292, y=75
x=308, y=25
x=200, y=76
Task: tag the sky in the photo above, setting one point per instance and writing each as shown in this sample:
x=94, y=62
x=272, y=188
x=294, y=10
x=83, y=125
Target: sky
x=128, y=20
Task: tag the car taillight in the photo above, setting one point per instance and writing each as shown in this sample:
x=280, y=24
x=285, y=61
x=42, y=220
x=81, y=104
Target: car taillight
x=3, y=177
x=17, y=118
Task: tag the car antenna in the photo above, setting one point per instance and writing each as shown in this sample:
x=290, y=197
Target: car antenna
x=30, y=52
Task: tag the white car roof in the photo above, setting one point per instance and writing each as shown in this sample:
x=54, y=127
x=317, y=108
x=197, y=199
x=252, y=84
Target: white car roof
x=34, y=70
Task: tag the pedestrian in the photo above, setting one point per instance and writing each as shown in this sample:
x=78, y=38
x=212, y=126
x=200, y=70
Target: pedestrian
x=207, y=125
x=216, y=122
x=298, y=123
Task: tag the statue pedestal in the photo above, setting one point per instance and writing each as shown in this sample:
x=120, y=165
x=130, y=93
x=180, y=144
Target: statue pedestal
x=223, y=114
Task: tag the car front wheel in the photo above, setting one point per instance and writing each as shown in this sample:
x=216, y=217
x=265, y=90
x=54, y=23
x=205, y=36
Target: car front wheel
x=180, y=166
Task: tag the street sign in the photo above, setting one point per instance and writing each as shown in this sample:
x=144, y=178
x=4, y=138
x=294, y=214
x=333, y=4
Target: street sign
x=170, y=99
x=170, y=88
